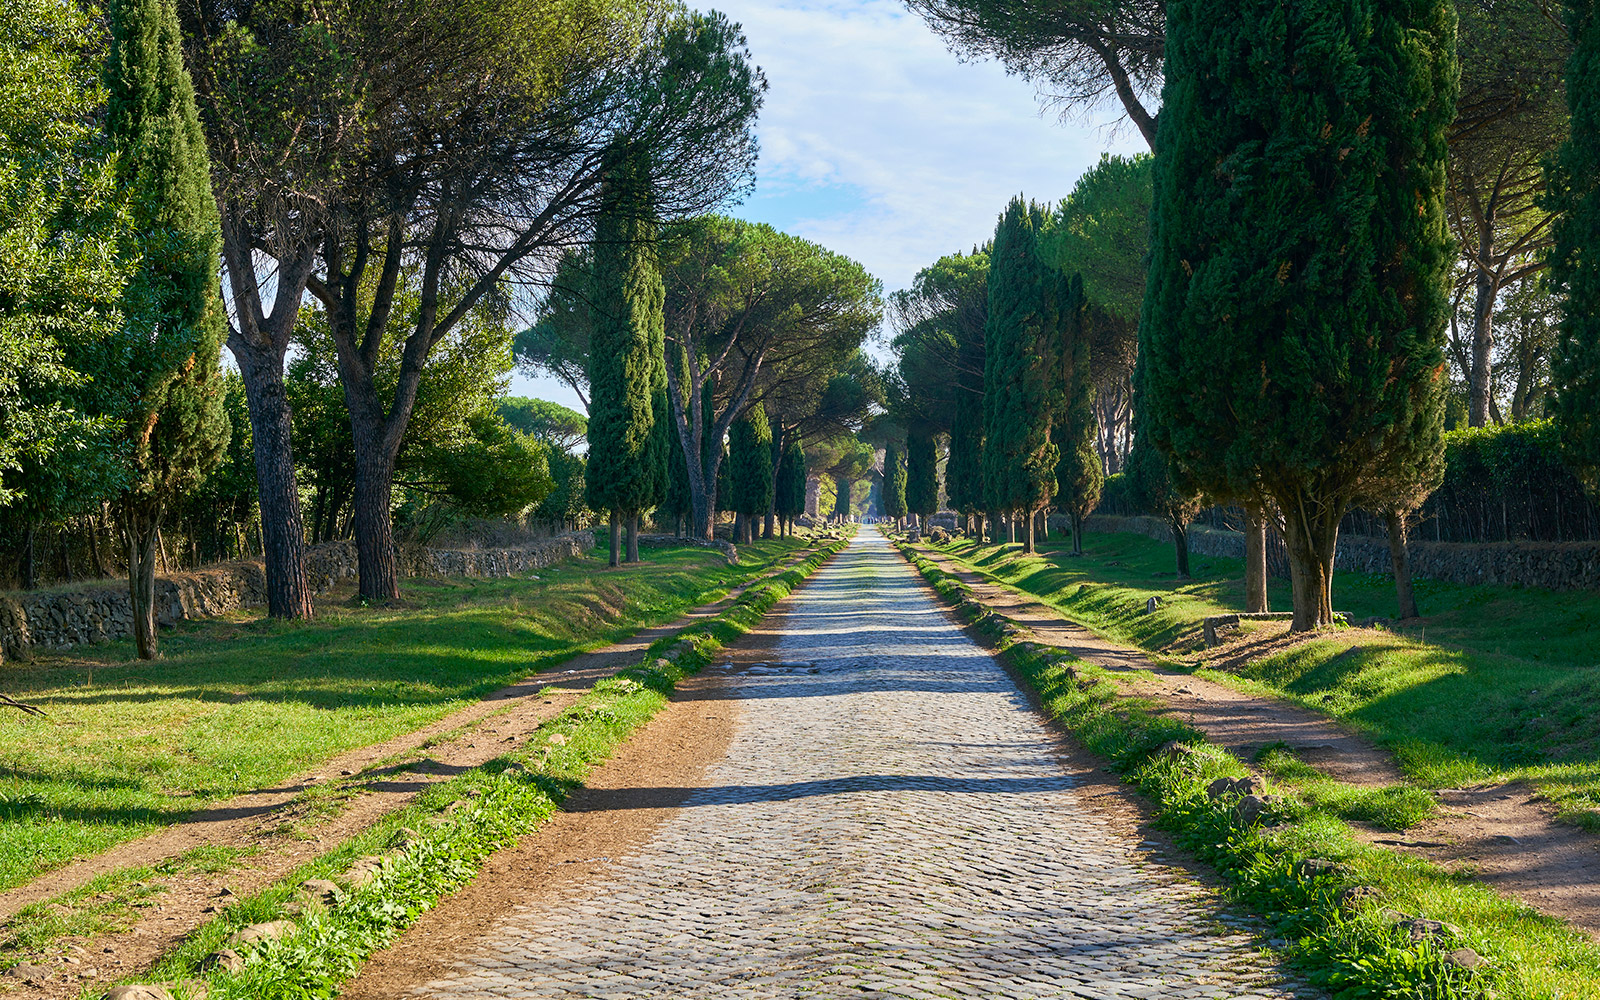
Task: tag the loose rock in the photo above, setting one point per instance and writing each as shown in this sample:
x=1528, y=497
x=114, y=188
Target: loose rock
x=138, y=991
x=321, y=890
x=225, y=959
x=27, y=972
x=270, y=930
x=1464, y=958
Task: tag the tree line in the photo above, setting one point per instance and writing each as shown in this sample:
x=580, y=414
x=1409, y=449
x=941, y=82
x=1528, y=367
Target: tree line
x=1264, y=312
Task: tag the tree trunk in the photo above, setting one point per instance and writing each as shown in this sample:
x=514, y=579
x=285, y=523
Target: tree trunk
x=1027, y=531
x=616, y=540
x=140, y=525
x=633, y=537
x=282, y=531
x=768, y=523
x=995, y=530
x=1180, y=546
x=1255, y=561
x=1310, y=541
x=1400, y=558
x=94, y=546
x=1077, y=533
x=1482, y=334
x=378, y=571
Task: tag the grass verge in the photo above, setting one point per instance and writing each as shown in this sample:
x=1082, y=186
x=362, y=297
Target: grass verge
x=235, y=704
x=437, y=844
x=1495, y=684
x=1342, y=912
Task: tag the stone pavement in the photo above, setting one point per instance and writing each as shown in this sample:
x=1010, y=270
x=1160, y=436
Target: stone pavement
x=890, y=821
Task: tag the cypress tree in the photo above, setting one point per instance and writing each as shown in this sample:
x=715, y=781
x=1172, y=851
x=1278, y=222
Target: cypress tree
x=1291, y=344
x=1079, y=475
x=750, y=469
x=1019, y=458
x=922, y=475
x=171, y=400
x=894, y=482
x=1572, y=180
x=624, y=349
x=791, y=490
x=963, y=473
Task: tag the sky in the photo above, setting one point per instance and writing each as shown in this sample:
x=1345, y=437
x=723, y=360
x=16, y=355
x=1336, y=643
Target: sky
x=878, y=143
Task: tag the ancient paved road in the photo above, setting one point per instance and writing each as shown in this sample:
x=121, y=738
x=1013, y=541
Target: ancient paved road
x=888, y=822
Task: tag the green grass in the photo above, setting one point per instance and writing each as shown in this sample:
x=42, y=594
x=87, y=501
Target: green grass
x=1356, y=954
x=494, y=805
x=130, y=746
x=1493, y=684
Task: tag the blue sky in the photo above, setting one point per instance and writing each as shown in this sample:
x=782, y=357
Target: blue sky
x=878, y=143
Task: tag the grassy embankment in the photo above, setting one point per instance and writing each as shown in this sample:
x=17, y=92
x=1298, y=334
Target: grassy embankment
x=1493, y=684
x=246, y=702
x=1302, y=872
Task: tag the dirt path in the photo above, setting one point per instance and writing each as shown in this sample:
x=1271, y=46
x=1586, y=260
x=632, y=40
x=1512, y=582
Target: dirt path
x=1503, y=835
x=279, y=826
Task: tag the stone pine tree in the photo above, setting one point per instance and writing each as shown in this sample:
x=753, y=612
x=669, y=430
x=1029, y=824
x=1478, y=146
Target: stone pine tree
x=1019, y=459
x=894, y=482
x=169, y=345
x=922, y=476
x=1079, y=474
x=1291, y=342
x=1572, y=179
x=626, y=332
x=749, y=470
x=790, y=501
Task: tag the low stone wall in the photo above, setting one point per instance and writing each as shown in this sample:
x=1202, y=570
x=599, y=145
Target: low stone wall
x=102, y=611
x=1550, y=565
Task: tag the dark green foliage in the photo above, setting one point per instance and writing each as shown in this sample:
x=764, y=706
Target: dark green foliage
x=1291, y=342
x=922, y=474
x=1079, y=473
x=1117, y=497
x=894, y=481
x=1020, y=334
x=963, y=474
x=625, y=306
x=564, y=505
x=750, y=463
x=174, y=427
x=1505, y=483
x=491, y=470
x=1573, y=181
x=791, y=498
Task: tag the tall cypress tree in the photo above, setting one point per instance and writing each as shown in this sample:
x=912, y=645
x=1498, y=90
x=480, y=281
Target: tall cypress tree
x=894, y=482
x=791, y=489
x=1572, y=179
x=626, y=333
x=1079, y=475
x=1291, y=343
x=1019, y=458
x=963, y=473
x=922, y=475
x=749, y=469
x=171, y=399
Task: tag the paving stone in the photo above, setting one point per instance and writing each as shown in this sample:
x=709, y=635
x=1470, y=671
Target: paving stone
x=894, y=824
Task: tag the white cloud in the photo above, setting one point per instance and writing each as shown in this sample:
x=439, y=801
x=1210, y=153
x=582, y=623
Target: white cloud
x=865, y=98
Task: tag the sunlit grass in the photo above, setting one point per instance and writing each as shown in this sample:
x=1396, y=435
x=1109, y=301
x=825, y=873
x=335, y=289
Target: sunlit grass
x=1493, y=684
x=128, y=746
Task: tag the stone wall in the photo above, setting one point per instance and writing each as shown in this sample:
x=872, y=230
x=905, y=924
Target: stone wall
x=101, y=612
x=1551, y=565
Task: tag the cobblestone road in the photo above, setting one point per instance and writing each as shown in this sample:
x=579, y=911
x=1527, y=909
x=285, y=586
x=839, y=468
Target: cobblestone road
x=889, y=821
